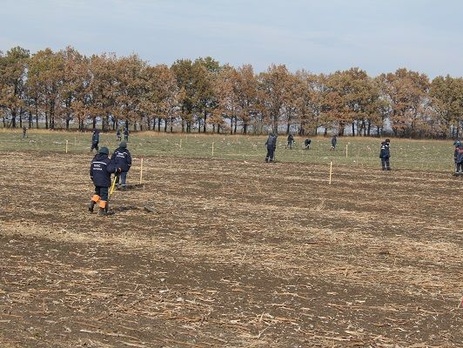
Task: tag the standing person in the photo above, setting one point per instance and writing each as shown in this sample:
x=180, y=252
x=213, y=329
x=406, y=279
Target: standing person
x=334, y=141
x=457, y=146
x=101, y=169
x=95, y=140
x=384, y=154
x=290, y=141
x=24, y=132
x=126, y=134
x=118, y=134
x=123, y=160
x=458, y=155
x=271, y=144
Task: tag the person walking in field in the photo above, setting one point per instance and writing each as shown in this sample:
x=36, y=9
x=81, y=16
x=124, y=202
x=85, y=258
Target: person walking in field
x=123, y=160
x=334, y=141
x=290, y=141
x=385, y=154
x=95, y=140
x=271, y=144
x=126, y=134
x=118, y=134
x=101, y=169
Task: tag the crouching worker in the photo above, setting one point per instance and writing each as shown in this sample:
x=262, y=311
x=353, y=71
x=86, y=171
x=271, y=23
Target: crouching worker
x=101, y=169
x=307, y=143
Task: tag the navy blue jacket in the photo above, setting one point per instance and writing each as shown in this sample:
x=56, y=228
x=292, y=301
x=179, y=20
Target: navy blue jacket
x=384, y=152
x=271, y=141
x=458, y=146
x=122, y=159
x=95, y=137
x=101, y=169
x=459, y=154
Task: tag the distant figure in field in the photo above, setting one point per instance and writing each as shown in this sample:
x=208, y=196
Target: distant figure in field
x=290, y=141
x=95, y=140
x=334, y=141
x=24, y=132
x=458, y=157
x=307, y=143
x=118, y=134
x=384, y=155
x=126, y=134
x=271, y=144
x=456, y=144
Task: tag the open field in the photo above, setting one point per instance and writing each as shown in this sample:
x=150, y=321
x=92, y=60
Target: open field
x=215, y=248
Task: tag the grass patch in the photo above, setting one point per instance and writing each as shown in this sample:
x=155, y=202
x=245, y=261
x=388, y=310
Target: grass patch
x=424, y=155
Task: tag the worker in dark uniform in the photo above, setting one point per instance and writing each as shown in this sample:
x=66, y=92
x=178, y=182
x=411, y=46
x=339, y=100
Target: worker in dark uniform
x=385, y=154
x=101, y=169
x=334, y=141
x=290, y=141
x=95, y=140
x=307, y=143
x=271, y=144
x=459, y=159
x=122, y=159
x=457, y=146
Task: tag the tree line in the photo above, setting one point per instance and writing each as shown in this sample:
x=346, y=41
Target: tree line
x=68, y=90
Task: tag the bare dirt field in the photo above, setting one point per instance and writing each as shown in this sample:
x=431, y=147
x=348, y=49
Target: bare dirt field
x=216, y=253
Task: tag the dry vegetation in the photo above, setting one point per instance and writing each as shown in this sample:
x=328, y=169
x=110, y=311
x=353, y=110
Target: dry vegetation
x=222, y=253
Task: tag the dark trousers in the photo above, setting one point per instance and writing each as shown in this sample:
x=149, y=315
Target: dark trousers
x=270, y=154
x=102, y=192
x=94, y=146
x=121, y=179
x=385, y=163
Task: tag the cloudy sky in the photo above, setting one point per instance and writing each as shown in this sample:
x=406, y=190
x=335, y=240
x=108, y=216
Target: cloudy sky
x=320, y=36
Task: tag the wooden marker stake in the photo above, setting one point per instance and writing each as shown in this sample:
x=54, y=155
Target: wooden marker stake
x=331, y=172
x=141, y=171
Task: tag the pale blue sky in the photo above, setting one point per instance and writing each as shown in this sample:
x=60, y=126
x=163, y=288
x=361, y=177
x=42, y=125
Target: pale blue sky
x=320, y=36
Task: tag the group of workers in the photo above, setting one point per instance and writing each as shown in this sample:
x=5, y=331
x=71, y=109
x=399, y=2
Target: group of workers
x=384, y=153
x=102, y=167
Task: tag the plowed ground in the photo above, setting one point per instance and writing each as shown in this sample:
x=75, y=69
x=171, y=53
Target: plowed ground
x=215, y=253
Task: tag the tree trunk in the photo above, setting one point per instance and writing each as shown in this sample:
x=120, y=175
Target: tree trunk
x=205, y=123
